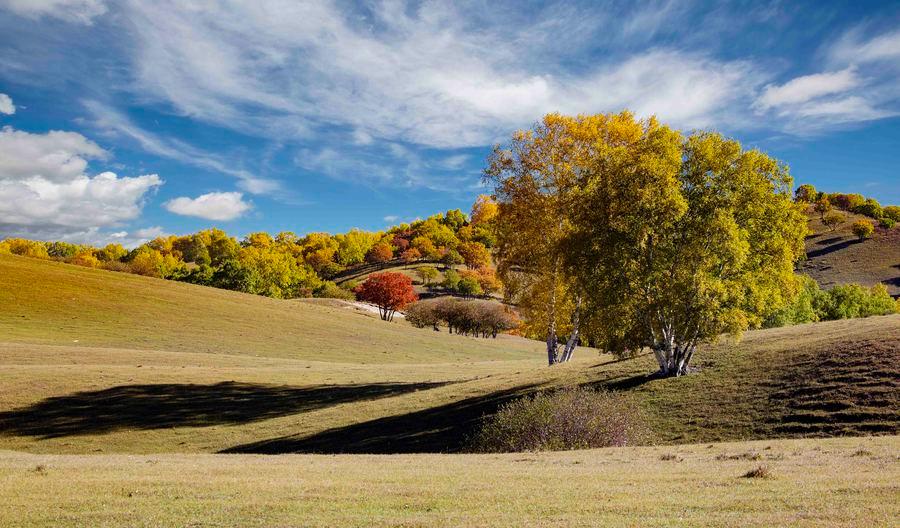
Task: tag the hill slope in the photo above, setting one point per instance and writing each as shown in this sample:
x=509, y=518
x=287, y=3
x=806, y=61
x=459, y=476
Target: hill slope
x=142, y=379
x=838, y=257
x=49, y=302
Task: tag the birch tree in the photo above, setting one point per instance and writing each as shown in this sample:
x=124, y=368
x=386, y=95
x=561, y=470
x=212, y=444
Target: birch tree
x=677, y=241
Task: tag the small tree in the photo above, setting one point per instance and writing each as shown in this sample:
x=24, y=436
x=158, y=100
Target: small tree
x=822, y=206
x=427, y=274
x=863, y=229
x=389, y=291
x=832, y=219
x=451, y=279
x=380, y=253
x=411, y=255
x=469, y=286
x=806, y=193
x=451, y=258
x=475, y=255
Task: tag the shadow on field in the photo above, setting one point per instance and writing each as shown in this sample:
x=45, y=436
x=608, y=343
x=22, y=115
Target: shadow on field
x=440, y=429
x=831, y=248
x=182, y=405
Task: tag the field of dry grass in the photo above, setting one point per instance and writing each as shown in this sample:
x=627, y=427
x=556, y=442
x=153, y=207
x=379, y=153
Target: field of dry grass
x=838, y=257
x=158, y=398
x=813, y=483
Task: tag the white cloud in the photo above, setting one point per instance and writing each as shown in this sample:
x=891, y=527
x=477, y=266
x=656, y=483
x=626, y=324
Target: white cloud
x=807, y=87
x=82, y=11
x=423, y=75
x=6, y=105
x=115, y=122
x=44, y=188
x=212, y=206
x=391, y=218
x=855, y=47
x=56, y=156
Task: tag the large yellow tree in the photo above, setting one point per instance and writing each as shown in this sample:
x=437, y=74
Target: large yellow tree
x=648, y=238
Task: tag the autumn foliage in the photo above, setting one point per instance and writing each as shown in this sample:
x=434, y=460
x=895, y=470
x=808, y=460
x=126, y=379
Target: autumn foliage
x=389, y=291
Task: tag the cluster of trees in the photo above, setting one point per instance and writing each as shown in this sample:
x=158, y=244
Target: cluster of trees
x=287, y=265
x=845, y=301
x=633, y=235
x=830, y=205
x=466, y=317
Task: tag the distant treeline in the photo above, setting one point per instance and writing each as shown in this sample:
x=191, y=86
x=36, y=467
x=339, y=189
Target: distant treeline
x=823, y=203
x=287, y=265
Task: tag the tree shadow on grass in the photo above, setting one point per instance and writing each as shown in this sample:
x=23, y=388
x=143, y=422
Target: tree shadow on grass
x=446, y=428
x=161, y=406
x=831, y=248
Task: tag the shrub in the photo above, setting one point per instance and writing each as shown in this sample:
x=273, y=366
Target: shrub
x=870, y=208
x=421, y=314
x=863, y=229
x=805, y=193
x=852, y=300
x=892, y=212
x=469, y=286
x=887, y=222
x=25, y=248
x=331, y=290
x=478, y=318
x=451, y=279
x=832, y=219
x=566, y=419
x=427, y=274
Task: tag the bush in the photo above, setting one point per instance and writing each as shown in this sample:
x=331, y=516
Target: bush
x=832, y=219
x=469, y=286
x=331, y=290
x=849, y=301
x=892, y=212
x=863, y=229
x=451, y=279
x=477, y=318
x=887, y=222
x=870, y=208
x=566, y=419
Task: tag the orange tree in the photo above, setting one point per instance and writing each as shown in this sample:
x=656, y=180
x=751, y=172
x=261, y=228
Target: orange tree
x=389, y=291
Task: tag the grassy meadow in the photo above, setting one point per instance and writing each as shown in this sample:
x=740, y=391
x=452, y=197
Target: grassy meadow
x=137, y=387
x=814, y=483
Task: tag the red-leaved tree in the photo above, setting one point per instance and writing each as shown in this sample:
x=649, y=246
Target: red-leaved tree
x=389, y=291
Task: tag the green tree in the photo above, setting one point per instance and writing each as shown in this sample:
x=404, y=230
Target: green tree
x=427, y=274
x=451, y=280
x=677, y=241
x=469, y=286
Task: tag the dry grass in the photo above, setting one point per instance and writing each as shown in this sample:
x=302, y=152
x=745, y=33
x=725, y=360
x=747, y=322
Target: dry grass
x=54, y=303
x=838, y=257
x=818, y=484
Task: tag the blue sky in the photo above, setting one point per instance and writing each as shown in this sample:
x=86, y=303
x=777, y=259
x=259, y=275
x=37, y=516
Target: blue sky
x=123, y=120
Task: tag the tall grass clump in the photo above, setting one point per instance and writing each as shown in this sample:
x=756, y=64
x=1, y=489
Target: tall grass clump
x=576, y=418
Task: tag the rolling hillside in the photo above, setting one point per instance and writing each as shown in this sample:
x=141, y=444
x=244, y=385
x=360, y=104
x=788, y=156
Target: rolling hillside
x=93, y=361
x=838, y=257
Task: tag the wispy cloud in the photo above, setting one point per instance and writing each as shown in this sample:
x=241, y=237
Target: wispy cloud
x=111, y=120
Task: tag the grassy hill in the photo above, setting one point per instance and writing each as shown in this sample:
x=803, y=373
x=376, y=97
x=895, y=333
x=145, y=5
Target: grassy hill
x=54, y=303
x=93, y=361
x=838, y=257
x=131, y=386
